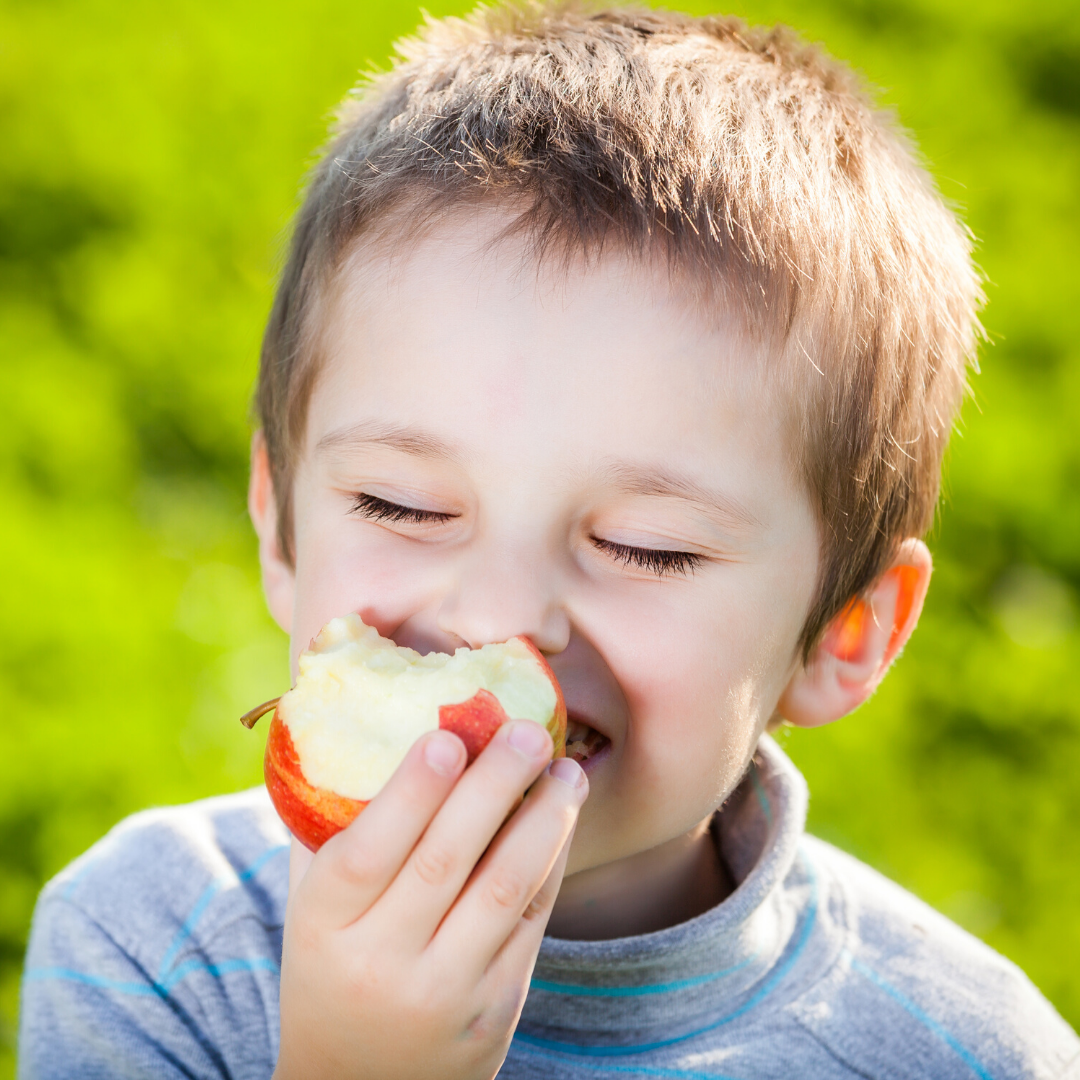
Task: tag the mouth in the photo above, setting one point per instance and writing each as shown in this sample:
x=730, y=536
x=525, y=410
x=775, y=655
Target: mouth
x=584, y=743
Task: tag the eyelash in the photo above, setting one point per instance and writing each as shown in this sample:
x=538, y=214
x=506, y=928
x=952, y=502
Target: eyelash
x=654, y=560
x=377, y=509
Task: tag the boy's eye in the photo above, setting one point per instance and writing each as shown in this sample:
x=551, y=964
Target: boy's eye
x=376, y=509
x=659, y=562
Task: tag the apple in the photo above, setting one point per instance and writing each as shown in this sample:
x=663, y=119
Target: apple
x=360, y=702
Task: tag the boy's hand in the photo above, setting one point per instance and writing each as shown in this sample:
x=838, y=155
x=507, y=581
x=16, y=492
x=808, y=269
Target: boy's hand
x=409, y=941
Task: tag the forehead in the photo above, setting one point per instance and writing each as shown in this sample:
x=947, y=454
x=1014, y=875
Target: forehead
x=463, y=332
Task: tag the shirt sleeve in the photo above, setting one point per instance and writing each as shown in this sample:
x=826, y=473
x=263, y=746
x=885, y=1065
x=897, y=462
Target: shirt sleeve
x=89, y=1010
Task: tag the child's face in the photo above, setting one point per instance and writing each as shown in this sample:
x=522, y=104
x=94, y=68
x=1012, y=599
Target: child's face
x=584, y=461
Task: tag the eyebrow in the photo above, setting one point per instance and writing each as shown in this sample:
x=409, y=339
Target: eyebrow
x=644, y=481
x=398, y=437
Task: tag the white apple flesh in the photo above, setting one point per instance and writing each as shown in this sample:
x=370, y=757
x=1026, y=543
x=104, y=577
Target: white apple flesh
x=360, y=702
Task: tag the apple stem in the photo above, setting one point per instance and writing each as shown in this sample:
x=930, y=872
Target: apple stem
x=249, y=718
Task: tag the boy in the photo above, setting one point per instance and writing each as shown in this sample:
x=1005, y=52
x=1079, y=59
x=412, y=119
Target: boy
x=641, y=336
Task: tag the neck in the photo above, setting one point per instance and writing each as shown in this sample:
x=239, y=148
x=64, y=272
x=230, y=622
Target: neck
x=649, y=891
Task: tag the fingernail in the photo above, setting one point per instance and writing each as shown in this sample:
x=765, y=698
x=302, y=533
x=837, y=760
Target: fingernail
x=567, y=771
x=443, y=754
x=530, y=738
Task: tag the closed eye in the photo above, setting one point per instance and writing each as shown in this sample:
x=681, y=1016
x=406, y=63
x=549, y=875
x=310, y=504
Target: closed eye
x=657, y=561
x=376, y=509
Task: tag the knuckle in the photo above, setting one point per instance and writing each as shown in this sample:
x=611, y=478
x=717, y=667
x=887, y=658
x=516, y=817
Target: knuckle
x=425, y=999
x=434, y=863
x=506, y=1006
x=356, y=868
x=415, y=799
x=362, y=980
x=505, y=889
x=496, y=1018
x=483, y=1027
x=536, y=908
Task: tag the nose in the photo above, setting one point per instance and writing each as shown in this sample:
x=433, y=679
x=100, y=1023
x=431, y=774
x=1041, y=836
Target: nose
x=495, y=598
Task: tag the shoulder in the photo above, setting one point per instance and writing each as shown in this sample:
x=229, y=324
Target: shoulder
x=148, y=874
x=912, y=994
x=157, y=952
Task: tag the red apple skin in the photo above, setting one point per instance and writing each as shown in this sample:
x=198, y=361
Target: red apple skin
x=557, y=724
x=311, y=814
x=314, y=814
x=474, y=721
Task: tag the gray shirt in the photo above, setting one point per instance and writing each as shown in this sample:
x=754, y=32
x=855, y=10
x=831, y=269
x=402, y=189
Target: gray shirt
x=157, y=954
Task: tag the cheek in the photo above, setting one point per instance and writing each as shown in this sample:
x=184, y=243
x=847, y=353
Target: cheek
x=701, y=681
x=693, y=691
x=343, y=566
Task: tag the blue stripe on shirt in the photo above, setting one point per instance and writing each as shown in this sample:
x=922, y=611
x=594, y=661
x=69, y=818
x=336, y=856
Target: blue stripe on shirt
x=98, y=982
x=763, y=992
x=166, y=980
x=640, y=1070
x=208, y=894
x=661, y=988
x=637, y=991
x=928, y=1022
x=142, y=989
x=762, y=795
x=225, y=967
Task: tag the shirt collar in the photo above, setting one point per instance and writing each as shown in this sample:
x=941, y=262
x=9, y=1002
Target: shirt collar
x=637, y=987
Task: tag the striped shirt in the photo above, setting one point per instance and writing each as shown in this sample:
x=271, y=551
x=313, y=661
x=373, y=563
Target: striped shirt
x=157, y=955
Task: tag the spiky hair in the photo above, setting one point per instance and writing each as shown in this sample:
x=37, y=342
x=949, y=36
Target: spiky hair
x=754, y=163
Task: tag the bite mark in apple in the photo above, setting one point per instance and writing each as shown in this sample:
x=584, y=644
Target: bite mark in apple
x=361, y=701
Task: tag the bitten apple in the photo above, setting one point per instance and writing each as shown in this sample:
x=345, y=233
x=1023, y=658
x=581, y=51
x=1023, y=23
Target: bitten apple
x=360, y=702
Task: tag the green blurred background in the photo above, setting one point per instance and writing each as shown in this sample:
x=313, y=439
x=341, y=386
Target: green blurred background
x=150, y=158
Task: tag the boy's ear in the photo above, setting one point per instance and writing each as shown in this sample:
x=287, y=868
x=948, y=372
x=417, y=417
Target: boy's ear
x=277, y=575
x=860, y=643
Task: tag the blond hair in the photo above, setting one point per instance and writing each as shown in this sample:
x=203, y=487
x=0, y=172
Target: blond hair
x=758, y=164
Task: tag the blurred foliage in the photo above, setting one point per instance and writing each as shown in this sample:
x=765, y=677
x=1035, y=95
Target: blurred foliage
x=152, y=155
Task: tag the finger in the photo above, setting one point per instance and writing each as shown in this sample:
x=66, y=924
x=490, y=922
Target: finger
x=444, y=858
x=514, y=961
x=513, y=872
x=352, y=869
